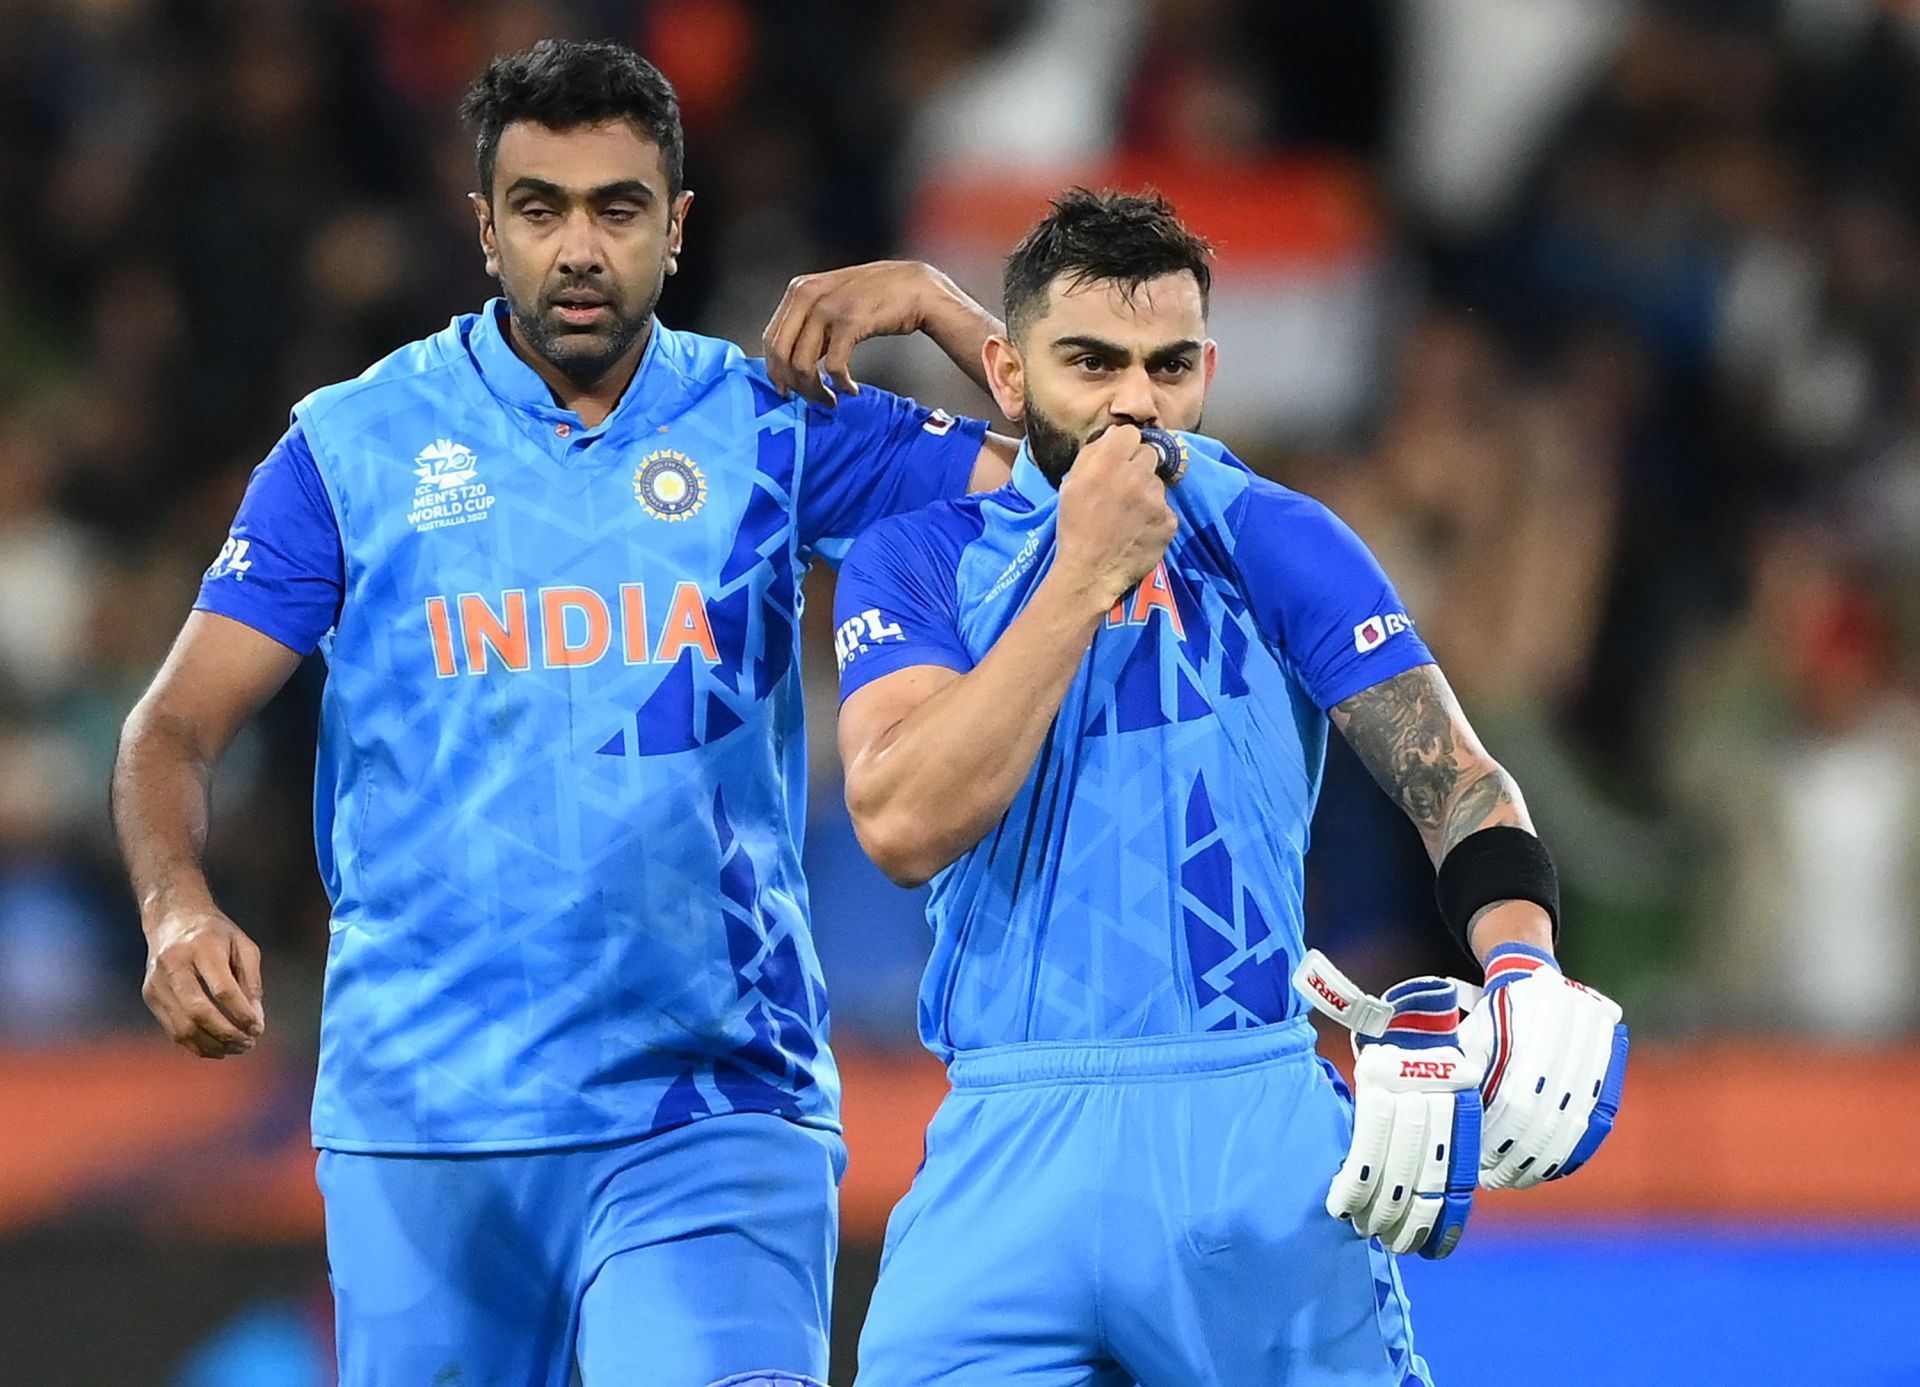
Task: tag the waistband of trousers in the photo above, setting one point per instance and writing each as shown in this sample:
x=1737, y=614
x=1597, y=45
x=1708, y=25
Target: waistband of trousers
x=1145, y=1057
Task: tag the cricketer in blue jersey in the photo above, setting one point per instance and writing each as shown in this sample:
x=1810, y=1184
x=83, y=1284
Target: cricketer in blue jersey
x=1092, y=708
x=575, y=1104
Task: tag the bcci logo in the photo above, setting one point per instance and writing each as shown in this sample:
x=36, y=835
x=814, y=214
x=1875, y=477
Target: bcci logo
x=669, y=486
x=1180, y=462
x=445, y=464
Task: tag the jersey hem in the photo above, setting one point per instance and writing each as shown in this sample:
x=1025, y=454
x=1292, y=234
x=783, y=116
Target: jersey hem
x=511, y=1144
x=1182, y=1055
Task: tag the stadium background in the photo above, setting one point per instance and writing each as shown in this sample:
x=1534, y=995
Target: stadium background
x=1597, y=319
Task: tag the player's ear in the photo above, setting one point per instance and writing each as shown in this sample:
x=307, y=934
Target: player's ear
x=489, y=245
x=1209, y=359
x=676, y=228
x=1006, y=376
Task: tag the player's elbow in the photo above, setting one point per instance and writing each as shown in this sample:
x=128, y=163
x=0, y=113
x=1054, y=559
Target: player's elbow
x=899, y=844
x=155, y=729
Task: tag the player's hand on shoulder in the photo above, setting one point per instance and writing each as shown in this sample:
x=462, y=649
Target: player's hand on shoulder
x=1115, y=523
x=1410, y=1170
x=203, y=983
x=822, y=317
x=1553, y=1056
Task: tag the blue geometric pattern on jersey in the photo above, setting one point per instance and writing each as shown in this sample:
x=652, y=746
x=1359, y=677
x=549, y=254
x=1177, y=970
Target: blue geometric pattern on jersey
x=1147, y=878
x=1238, y=961
x=561, y=777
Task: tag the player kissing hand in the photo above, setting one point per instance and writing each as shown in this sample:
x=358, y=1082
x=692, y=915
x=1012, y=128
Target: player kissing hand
x=203, y=983
x=1115, y=523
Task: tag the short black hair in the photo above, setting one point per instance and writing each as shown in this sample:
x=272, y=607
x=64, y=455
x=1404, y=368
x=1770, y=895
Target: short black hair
x=1087, y=236
x=563, y=83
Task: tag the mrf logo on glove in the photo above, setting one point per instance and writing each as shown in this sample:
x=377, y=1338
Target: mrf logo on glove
x=1409, y=1175
x=1530, y=1081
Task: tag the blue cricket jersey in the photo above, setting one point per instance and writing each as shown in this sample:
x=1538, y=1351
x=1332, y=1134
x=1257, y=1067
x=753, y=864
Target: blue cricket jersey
x=561, y=778
x=1147, y=879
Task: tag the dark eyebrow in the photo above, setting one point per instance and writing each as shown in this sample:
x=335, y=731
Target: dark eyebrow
x=1113, y=351
x=632, y=189
x=1172, y=352
x=626, y=189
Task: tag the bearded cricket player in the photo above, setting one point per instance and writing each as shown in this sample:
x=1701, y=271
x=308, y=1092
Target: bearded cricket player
x=575, y=1108
x=1092, y=708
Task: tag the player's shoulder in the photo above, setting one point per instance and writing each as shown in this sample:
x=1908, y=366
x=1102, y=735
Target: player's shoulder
x=704, y=362
x=930, y=538
x=408, y=370
x=1221, y=482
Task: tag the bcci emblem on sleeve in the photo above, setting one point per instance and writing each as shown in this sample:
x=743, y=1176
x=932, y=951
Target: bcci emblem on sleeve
x=669, y=486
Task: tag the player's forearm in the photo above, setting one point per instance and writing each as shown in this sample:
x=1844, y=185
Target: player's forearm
x=162, y=778
x=938, y=781
x=959, y=326
x=1412, y=735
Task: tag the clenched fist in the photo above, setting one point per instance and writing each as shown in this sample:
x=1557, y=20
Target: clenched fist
x=203, y=983
x=1115, y=523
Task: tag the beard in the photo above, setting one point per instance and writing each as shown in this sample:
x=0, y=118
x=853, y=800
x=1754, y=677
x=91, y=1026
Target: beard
x=1052, y=447
x=583, y=355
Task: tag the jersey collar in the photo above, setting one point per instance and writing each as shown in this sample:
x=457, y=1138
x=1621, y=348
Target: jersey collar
x=520, y=386
x=1030, y=482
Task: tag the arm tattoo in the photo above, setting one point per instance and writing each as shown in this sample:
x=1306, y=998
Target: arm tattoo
x=1415, y=742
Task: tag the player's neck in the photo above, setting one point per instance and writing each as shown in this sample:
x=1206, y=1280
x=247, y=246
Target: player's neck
x=593, y=400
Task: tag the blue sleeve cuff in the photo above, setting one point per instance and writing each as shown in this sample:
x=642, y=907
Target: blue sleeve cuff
x=953, y=472
x=1375, y=669
x=228, y=601
x=878, y=664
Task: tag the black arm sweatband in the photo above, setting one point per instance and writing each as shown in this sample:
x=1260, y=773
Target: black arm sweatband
x=1495, y=864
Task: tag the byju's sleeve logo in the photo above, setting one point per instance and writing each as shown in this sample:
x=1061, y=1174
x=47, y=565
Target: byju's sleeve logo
x=861, y=632
x=1370, y=633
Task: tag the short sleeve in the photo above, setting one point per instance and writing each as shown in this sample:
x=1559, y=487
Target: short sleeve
x=877, y=454
x=1319, y=596
x=282, y=570
x=896, y=606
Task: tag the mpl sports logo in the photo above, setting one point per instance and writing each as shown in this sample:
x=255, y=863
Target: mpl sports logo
x=233, y=561
x=447, y=493
x=862, y=631
x=1369, y=634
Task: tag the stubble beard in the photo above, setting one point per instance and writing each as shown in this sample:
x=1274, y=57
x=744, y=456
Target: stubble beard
x=582, y=357
x=1053, y=448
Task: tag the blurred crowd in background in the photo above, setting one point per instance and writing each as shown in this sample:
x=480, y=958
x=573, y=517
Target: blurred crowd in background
x=1623, y=387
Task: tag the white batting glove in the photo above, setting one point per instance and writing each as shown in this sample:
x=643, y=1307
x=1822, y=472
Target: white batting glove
x=1409, y=1175
x=1554, y=1055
